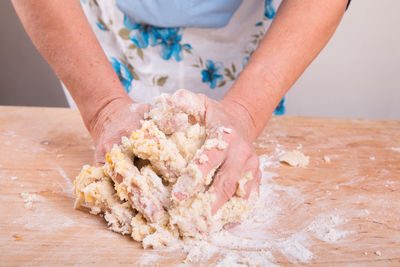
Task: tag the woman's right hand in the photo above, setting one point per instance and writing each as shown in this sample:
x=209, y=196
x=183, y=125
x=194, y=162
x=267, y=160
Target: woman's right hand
x=118, y=118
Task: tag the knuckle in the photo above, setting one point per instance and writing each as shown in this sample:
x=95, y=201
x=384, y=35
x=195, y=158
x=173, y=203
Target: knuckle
x=246, y=150
x=255, y=161
x=228, y=188
x=224, y=188
x=225, y=193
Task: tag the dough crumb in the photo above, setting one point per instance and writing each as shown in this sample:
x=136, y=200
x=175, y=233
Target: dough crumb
x=372, y=158
x=396, y=149
x=240, y=191
x=225, y=129
x=203, y=158
x=17, y=237
x=295, y=158
x=327, y=159
x=300, y=146
x=378, y=253
x=28, y=200
x=14, y=178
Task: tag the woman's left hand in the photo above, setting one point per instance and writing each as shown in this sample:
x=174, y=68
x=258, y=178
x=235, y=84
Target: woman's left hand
x=230, y=122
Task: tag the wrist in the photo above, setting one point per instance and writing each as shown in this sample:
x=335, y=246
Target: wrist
x=104, y=114
x=242, y=115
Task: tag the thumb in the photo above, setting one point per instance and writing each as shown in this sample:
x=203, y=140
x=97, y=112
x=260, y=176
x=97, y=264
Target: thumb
x=99, y=157
x=101, y=150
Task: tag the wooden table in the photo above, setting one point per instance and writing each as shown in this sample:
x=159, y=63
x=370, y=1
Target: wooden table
x=42, y=149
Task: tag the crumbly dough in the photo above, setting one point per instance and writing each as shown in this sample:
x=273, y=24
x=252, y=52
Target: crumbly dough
x=28, y=200
x=295, y=158
x=136, y=190
x=240, y=191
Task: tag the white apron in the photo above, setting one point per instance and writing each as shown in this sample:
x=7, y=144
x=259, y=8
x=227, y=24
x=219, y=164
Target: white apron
x=151, y=60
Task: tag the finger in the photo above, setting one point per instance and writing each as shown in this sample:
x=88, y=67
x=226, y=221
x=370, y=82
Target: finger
x=235, y=179
x=99, y=157
x=225, y=182
x=252, y=184
x=202, y=168
x=200, y=172
x=101, y=150
x=188, y=102
x=126, y=177
x=149, y=206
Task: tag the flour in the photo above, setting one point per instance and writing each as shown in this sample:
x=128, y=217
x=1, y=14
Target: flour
x=152, y=189
x=252, y=244
x=325, y=227
x=67, y=186
x=295, y=248
x=150, y=260
x=269, y=161
x=253, y=259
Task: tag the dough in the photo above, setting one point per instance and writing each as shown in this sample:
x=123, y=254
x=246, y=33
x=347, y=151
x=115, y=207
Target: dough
x=295, y=158
x=136, y=189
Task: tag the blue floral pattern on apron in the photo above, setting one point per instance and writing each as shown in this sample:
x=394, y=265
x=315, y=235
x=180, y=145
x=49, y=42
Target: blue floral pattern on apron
x=150, y=60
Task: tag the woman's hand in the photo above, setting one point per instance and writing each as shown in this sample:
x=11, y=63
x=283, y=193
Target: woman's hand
x=239, y=158
x=118, y=118
x=230, y=122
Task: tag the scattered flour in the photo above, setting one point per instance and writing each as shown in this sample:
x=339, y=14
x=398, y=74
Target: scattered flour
x=294, y=248
x=324, y=227
x=233, y=259
x=269, y=161
x=150, y=260
x=35, y=221
x=66, y=179
x=251, y=243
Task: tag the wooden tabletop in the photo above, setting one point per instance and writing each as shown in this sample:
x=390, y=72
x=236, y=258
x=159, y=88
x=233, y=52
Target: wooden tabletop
x=348, y=209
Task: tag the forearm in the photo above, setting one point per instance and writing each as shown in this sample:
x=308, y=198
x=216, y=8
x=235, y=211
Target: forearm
x=298, y=33
x=62, y=34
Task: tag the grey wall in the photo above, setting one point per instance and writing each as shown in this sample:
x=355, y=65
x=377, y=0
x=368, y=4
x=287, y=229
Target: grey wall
x=25, y=77
x=356, y=76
